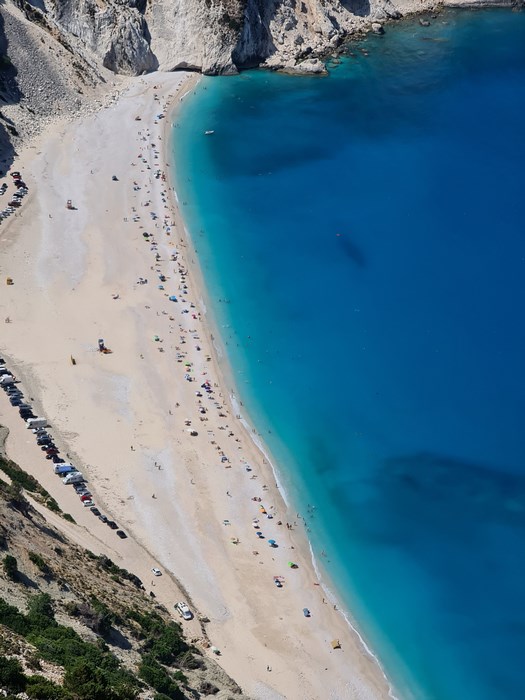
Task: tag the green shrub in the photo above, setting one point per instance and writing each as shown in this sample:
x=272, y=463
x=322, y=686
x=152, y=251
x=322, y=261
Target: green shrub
x=69, y=518
x=190, y=661
x=89, y=682
x=40, y=613
x=163, y=641
x=39, y=562
x=11, y=617
x=158, y=678
x=41, y=688
x=11, y=675
x=10, y=567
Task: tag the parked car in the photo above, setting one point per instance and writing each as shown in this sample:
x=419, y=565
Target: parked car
x=157, y=572
x=86, y=496
x=121, y=534
x=44, y=440
x=183, y=610
x=112, y=524
x=95, y=510
x=104, y=518
x=57, y=460
x=88, y=504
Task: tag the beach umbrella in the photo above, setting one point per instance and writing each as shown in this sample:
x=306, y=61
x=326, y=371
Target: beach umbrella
x=172, y=298
x=272, y=543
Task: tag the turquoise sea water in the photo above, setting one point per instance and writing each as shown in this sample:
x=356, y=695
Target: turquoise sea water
x=362, y=238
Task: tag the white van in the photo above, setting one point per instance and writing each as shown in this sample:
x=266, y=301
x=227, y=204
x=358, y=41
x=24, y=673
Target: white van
x=36, y=422
x=73, y=478
x=7, y=379
x=64, y=469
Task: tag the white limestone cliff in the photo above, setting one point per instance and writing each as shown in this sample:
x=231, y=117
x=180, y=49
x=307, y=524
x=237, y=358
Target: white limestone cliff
x=213, y=36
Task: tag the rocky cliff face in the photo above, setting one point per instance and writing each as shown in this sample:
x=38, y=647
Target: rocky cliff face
x=213, y=36
x=115, y=31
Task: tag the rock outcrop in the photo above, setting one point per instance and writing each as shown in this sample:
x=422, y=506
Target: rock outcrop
x=114, y=31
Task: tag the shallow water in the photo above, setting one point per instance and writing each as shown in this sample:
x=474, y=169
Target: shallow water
x=363, y=244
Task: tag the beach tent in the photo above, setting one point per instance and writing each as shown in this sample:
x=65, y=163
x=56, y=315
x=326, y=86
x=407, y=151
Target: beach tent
x=336, y=644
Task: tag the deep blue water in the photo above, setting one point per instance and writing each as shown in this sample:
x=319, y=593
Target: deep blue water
x=363, y=241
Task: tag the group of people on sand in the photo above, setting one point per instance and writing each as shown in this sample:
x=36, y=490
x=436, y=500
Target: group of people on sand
x=159, y=231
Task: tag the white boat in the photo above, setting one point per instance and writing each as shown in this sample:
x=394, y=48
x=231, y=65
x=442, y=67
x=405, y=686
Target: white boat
x=209, y=132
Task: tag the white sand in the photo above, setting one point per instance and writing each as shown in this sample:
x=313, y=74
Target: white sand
x=67, y=265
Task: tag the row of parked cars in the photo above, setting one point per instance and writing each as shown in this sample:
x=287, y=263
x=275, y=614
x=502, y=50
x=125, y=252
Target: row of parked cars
x=15, y=200
x=38, y=426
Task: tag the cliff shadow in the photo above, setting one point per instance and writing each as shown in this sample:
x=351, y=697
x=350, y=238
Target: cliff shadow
x=360, y=8
x=10, y=93
x=255, y=42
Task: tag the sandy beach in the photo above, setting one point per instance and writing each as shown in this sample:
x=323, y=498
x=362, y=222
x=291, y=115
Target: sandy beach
x=150, y=424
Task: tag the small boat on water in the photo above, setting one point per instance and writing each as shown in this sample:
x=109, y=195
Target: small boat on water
x=209, y=132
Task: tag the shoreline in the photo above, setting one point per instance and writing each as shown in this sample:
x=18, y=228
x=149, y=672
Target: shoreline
x=227, y=378
x=64, y=294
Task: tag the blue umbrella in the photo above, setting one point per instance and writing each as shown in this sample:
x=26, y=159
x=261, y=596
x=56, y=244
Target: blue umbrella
x=271, y=542
x=172, y=298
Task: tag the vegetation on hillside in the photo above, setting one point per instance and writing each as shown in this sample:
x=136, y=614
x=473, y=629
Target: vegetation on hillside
x=20, y=479
x=75, y=626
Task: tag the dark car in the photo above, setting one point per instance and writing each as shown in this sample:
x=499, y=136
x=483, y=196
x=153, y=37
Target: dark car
x=121, y=534
x=104, y=518
x=27, y=414
x=48, y=446
x=57, y=460
x=95, y=511
x=15, y=401
x=44, y=441
x=112, y=524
